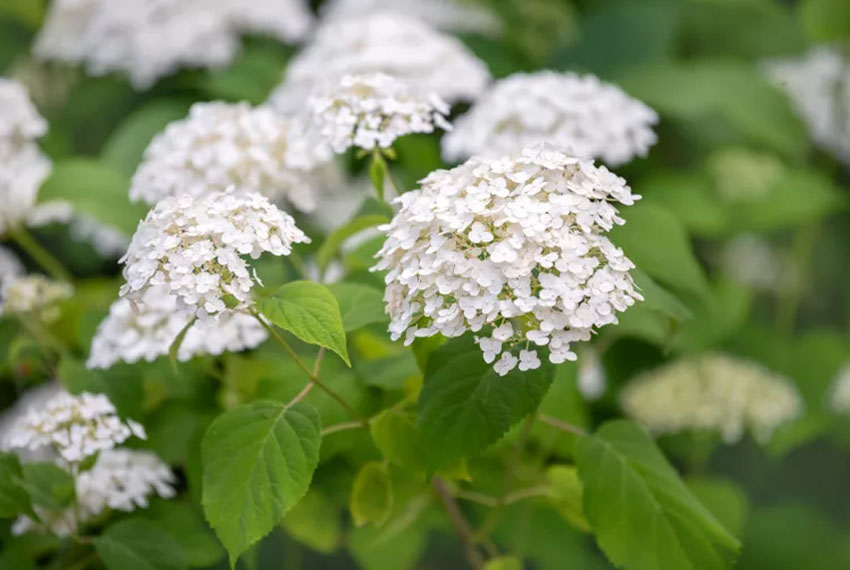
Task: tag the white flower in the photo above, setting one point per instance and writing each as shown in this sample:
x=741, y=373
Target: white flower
x=76, y=426
x=548, y=275
x=33, y=295
x=10, y=266
x=120, y=479
x=506, y=363
x=751, y=261
x=148, y=39
x=23, y=168
x=19, y=119
x=195, y=248
x=223, y=145
x=818, y=84
x=839, y=393
x=591, y=375
x=449, y=15
x=371, y=111
x=123, y=480
x=577, y=114
x=147, y=330
x=106, y=240
x=528, y=360
x=713, y=392
x=426, y=60
x=32, y=398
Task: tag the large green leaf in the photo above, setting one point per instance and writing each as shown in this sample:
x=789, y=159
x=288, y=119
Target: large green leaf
x=309, y=311
x=48, y=485
x=315, y=521
x=137, y=544
x=95, y=189
x=13, y=498
x=395, y=435
x=734, y=92
x=258, y=462
x=465, y=406
x=655, y=240
x=643, y=515
x=359, y=305
x=371, y=495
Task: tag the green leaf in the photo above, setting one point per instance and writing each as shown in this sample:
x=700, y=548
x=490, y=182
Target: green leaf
x=27, y=12
x=185, y=524
x=126, y=145
x=825, y=20
x=95, y=189
x=657, y=298
x=567, y=495
x=47, y=485
x=465, y=406
x=14, y=499
x=371, y=495
x=395, y=435
x=258, y=462
x=378, y=173
x=642, y=514
x=655, y=240
x=334, y=241
x=309, y=311
x=726, y=500
x=315, y=521
x=504, y=563
x=359, y=305
x=174, y=349
x=137, y=544
x=732, y=91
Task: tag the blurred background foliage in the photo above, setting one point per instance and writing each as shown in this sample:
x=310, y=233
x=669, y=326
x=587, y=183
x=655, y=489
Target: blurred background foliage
x=733, y=158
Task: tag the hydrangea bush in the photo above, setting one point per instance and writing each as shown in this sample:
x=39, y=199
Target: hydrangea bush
x=413, y=284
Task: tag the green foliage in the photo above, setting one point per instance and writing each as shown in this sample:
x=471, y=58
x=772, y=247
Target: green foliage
x=359, y=305
x=371, y=495
x=567, y=495
x=504, y=563
x=310, y=312
x=335, y=239
x=642, y=513
x=395, y=435
x=48, y=485
x=136, y=544
x=315, y=521
x=465, y=406
x=14, y=498
x=258, y=462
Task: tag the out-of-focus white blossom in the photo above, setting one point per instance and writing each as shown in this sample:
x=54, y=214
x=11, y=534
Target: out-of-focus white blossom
x=120, y=479
x=839, y=393
x=591, y=374
x=106, y=240
x=713, y=392
x=19, y=119
x=10, y=266
x=33, y=398
x=426, y=60
x=76, y=426
x=194, y=247
x=33, y=295
x=751, y=261
x=512, y=249
x=148, y=39
x=223, y=145
x=744, y=175
x=577, y=114
x=147, y=330
x=818, y=84
x=371, y=111
x=23, y=168
x=449, y=15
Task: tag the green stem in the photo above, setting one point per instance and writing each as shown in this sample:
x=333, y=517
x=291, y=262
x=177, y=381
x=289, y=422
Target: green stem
x=41, y=256
x=786, y=312
x=314, y=378
x=564, y=426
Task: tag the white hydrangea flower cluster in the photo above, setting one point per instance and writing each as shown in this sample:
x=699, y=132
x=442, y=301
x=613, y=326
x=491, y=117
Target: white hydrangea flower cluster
x=120, y=479
x=577, y=114
x=371, y=111
x=19, y=119
x=76, y=426
x=449, y=15
x=194, y=247
x=23, y=166
x=512, y=249
x=148, y=39
x=818, y=84
x=33, y=294
x=839, y=393
x=426, y=60
x=713, y=392
x=223, y=145
x=33, y=398
x=146, y=331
